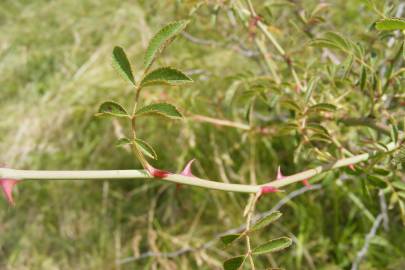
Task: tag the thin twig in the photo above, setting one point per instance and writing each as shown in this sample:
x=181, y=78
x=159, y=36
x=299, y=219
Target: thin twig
x=220, y=122
x=212, y=43
x=199, y=41
x=362, y=253
x=384, y=209
x=248, y=224
x=232, y=124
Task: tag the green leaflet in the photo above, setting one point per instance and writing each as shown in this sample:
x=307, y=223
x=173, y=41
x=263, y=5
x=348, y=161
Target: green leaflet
x=273, y=246
x=162, y=39
x=122, y=65
x=145, y=148
x=234, y=263
x=311, y=86
x=334, y=40
x=327, y=107
x=390, y=24
x=399, y=156
x=164, y=109
x=141, y=144
x=264, y=222
x=320, y=137
x=291, y=104
x=376, y=181
x=399, y=184
x=363, y=78
x=165, y=75
x=317, y=128
x=111, y=109
x=229, y=238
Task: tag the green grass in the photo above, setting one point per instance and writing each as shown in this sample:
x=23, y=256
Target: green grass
x=56, y=68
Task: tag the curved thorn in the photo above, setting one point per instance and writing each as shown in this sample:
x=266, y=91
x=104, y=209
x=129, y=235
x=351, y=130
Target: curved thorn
x=279, y=173
x=7, y=187
x=187, y=170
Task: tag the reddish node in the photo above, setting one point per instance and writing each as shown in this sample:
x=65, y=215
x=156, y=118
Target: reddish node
x=306, y=183
x=268, y=189
x=157, y=173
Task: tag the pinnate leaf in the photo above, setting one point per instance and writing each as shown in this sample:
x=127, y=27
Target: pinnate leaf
x=229, y=238
x=165, y=75
x=145, y=148
x=273, y=246
x=266, y=221
x=122, y=65
x=111, y=109
x=234, y=263
x=164, y=109
x=162, y=39
x=390, y=24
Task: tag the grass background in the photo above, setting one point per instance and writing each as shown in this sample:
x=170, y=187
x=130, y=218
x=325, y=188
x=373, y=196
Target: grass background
x=55, y=66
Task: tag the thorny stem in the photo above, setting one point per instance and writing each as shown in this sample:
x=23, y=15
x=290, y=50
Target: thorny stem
x=181, y=179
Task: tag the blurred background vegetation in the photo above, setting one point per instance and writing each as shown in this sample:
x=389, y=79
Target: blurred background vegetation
x=55, y=66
